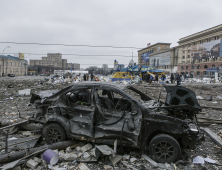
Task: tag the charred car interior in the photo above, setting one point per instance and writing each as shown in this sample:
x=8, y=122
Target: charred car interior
x=102, y=112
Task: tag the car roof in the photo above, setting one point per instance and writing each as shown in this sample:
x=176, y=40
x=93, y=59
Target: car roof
x=101, y=83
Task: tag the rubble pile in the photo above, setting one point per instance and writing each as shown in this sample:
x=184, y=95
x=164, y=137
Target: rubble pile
x=15, y=107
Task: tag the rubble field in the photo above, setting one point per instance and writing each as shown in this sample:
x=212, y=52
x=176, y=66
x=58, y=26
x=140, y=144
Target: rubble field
x=15, y=97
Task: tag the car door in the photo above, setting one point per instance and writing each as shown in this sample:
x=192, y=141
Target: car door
x=80, y=112
x=117, y=117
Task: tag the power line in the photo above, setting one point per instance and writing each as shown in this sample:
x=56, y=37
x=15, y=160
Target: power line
x=95, y=55
x=69, y=45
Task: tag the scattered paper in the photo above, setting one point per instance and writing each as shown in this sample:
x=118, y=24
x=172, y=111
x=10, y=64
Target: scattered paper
x=198, y=160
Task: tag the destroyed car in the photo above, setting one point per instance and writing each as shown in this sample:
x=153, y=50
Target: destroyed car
x=103, y=112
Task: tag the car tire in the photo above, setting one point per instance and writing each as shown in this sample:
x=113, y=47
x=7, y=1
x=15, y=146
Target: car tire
x=164, y=148
x=54, y=133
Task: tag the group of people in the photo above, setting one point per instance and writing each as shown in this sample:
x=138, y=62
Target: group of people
x=176, y=77
x=173, y=77
x=149, y=78
x=86, y=77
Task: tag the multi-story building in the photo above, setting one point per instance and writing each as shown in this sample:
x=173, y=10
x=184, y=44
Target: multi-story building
x=166, y=59
x=143, y=54
x=13, y=65
x=200, y=52
x=55, y=60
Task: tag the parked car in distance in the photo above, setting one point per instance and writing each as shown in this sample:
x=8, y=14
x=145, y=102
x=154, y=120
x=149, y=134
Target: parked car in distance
x=11, y=75
x=102, y=112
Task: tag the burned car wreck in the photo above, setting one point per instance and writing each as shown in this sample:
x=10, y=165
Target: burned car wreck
x=102, y=112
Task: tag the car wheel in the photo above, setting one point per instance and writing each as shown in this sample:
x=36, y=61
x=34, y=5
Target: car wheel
x=164, y=148
x=54, y=133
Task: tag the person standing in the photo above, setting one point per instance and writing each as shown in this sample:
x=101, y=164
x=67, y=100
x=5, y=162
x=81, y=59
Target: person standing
x=92, y=77
x=84, y=77
x=156, y=77
x=148, y=78
x=178, y=79
x=172, y=78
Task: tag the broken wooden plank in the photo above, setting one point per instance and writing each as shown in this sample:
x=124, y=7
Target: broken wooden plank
x=211, y=107
x=209, y=121
x=213, y=136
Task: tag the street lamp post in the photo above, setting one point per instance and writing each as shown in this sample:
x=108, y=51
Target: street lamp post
x=3, y=73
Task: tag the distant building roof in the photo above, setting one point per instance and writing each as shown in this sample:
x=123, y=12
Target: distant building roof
x=153, y=45
x=11, y=57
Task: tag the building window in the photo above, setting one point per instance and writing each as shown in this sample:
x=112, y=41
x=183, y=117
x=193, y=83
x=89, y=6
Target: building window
x=183, y=52
x=194, y=43
x=205, y=66
x=204, y=73
x=189, y=45
x=213, y=66
x=192, y=67
x=188, y=56
x=182, y=68
x=183, y=57
x=187, y=67
x=188, y=51
x=198, y=67
x=208, y=40
x=217, y=37
x=198, y=73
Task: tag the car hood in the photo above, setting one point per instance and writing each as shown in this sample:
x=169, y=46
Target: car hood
x=42, y=95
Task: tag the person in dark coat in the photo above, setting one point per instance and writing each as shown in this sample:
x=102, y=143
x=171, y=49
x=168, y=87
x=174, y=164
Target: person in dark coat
x=84, y=77
x=172, y=78
x=148, y=78
x=178, y=79
x=92, y=77
x=156, y=77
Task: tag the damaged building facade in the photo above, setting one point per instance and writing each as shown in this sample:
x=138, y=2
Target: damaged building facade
x=143, y=54
x=201, y=52
x=12, y=65
x=55, y=60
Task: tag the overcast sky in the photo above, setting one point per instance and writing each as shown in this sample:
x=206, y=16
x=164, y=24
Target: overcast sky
x=120, y=23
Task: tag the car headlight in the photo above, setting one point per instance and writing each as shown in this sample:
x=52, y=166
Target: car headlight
x=193, y=127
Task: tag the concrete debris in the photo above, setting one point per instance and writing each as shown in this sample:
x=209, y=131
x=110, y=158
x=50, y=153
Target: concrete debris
x=199, y=98
x=219, y=97
x=108, y=167
x=106, y=150
x=25, y=92
x=152, y=162
x=115, y=159
x=18, y=168
x=32, y=164
x=86, y=147
x=209, y=98
x=133, y=160
x=128, y=166
x=38, y=160
x=70, y=156
x=126, y=157
x=83, y=166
